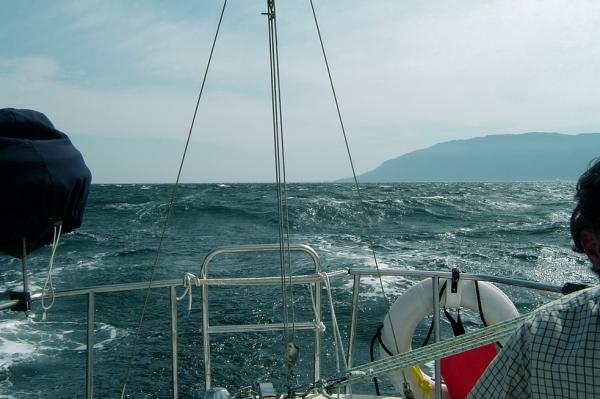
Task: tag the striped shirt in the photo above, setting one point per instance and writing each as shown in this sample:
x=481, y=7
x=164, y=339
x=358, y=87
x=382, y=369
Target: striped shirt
x=555, y=354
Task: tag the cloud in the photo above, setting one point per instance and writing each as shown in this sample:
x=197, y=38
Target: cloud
x=408, y=74
x=29, y=67
x=521, y=64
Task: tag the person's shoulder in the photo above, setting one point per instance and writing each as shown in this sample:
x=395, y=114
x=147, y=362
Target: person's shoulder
x=570, y=307
x=589, y=297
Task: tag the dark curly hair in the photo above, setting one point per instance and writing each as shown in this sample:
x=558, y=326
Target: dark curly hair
x=586, y=214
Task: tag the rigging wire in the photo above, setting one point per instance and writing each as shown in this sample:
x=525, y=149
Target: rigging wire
x=169, y=212
x=277, y=152
x=287, y=288
x=356, y=185
x=285, y=196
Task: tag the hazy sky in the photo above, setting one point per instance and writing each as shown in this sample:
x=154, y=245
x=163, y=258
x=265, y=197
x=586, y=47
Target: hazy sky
x=122, y=77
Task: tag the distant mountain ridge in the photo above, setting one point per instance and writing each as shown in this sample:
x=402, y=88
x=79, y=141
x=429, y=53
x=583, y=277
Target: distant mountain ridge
x=501, y=157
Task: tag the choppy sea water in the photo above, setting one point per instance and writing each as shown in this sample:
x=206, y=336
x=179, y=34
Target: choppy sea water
x=517, y=230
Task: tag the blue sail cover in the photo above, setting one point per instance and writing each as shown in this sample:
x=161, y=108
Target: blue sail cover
x=43, y=181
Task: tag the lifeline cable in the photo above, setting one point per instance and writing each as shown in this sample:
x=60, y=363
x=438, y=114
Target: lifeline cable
x=168, y=214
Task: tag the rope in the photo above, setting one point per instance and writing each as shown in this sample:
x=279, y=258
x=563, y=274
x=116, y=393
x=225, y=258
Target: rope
x=337, y=336
x=318, y=322
x=425, y=354
x=440, y=349
x=55, y=240
x=189, y=280
x=168, y=214
x=436, y=350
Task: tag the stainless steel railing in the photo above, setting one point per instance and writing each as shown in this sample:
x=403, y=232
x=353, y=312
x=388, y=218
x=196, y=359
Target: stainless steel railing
x=205, y=282
x=312, y=279
x=207, y=329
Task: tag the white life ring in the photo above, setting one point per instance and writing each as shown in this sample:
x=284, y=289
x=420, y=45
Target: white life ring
x=416, y=303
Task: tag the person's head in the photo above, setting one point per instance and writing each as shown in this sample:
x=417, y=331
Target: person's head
x=585, y=220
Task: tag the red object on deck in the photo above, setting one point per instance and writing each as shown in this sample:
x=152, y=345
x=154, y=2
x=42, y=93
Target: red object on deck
x=461, y=371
